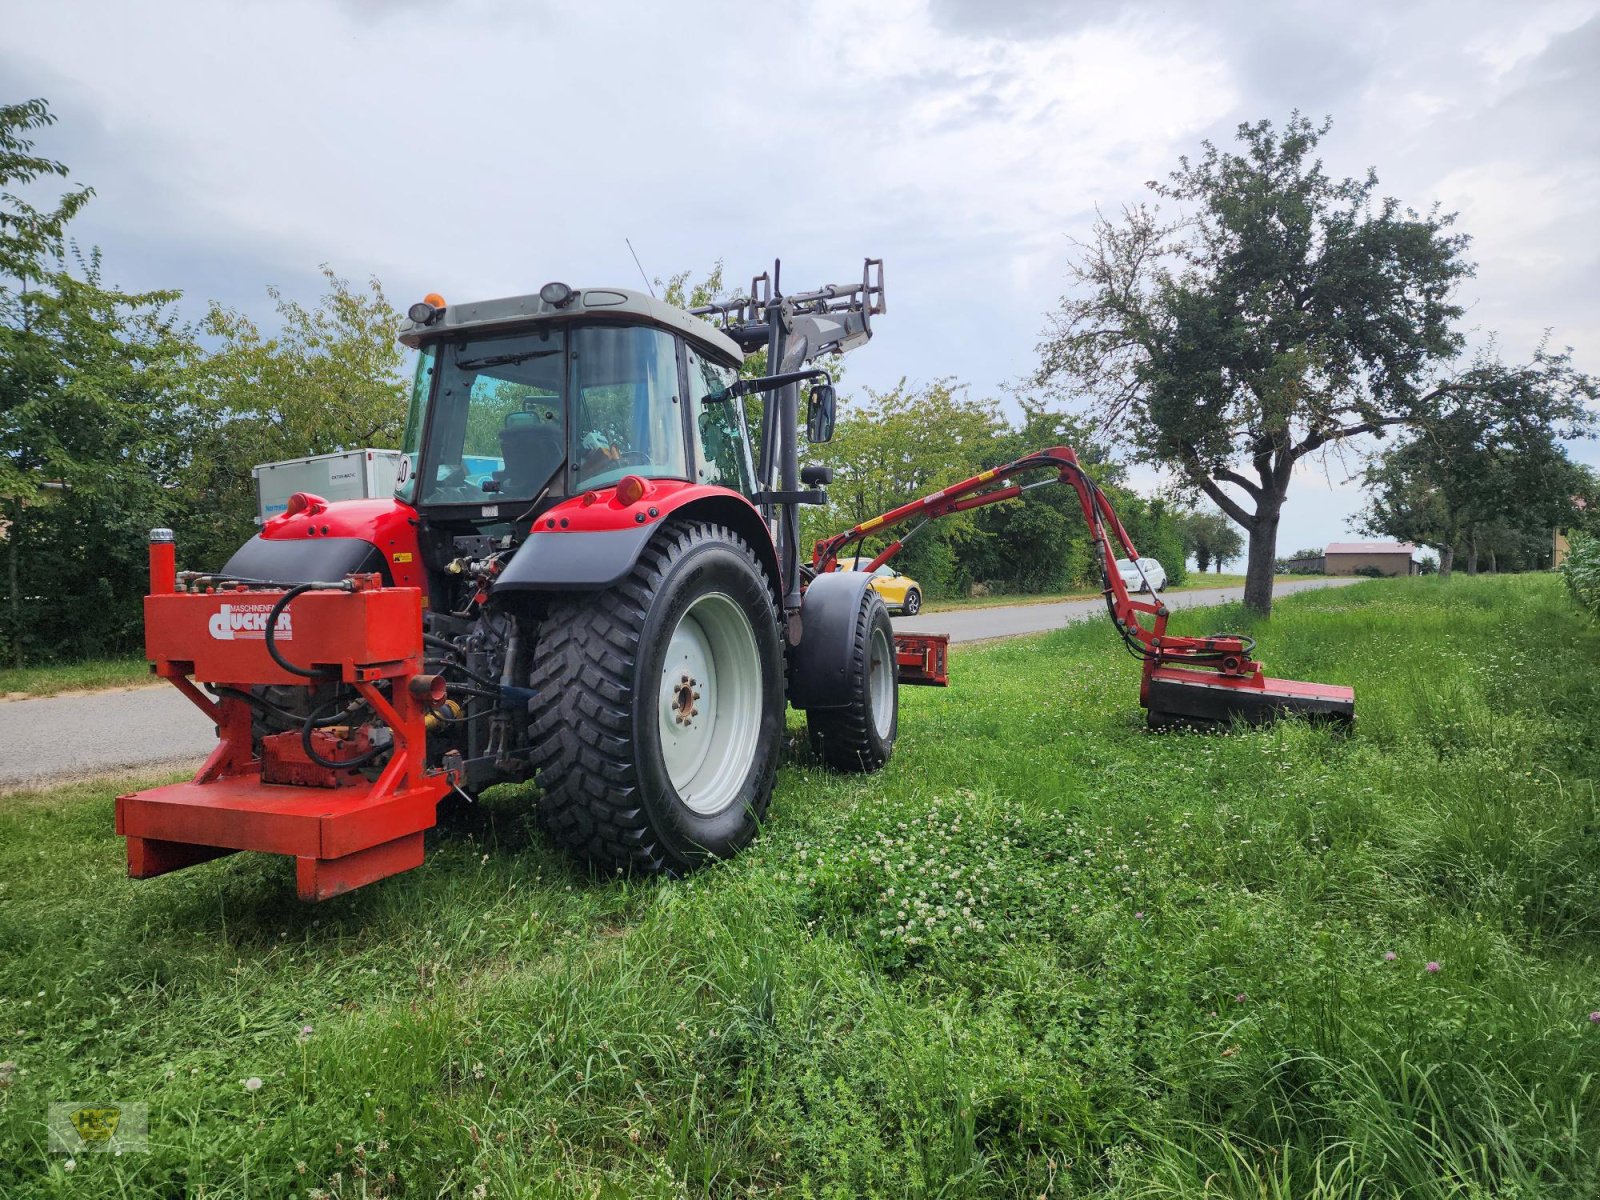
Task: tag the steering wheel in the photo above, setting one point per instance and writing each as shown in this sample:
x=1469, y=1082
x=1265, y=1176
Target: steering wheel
x=634, y=458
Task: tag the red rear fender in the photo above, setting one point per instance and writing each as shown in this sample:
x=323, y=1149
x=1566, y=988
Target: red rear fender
x=386, y=523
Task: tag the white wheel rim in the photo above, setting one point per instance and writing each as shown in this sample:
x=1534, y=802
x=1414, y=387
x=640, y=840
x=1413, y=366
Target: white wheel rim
x=709, y=709
x=880, y=682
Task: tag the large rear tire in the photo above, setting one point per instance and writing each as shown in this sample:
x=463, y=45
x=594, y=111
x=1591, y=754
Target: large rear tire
x=859, y=736
x=659, y=706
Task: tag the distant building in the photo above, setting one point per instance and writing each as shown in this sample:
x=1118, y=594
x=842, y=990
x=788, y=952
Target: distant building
x=1308, y=564
x=1392, y=558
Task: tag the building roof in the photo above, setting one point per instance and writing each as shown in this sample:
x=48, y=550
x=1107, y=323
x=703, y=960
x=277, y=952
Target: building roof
x=1370, y=548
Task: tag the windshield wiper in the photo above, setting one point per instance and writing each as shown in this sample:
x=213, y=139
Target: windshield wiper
x=501, y=360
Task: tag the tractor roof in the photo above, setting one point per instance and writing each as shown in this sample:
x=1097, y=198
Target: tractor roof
x=607, y=304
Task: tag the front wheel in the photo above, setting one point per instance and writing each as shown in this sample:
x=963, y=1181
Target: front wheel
x=859, y=735
x=913, y=604
x=659, y=706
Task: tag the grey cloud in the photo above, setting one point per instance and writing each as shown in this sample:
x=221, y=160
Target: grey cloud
x=142, y=220
x=1015, y=18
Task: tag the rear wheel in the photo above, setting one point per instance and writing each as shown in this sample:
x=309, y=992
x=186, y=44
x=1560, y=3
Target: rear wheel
x=859, y=736
x=659, y=706
x=913, y=604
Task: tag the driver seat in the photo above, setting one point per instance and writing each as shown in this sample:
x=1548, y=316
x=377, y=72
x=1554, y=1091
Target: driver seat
x=531, y=446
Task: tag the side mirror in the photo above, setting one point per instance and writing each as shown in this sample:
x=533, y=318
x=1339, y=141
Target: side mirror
x=821, y=411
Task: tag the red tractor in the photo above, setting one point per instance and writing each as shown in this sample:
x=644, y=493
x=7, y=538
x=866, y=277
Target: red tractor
x=586, y=577
x=589, y=578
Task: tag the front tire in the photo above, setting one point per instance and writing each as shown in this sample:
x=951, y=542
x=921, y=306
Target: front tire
x=659, y=707
x=858, y=737
x=913, y=604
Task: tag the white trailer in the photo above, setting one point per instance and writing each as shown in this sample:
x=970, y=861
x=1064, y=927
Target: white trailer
x=347, y=475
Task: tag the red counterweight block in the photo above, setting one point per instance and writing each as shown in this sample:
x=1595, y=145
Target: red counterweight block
x=344, y=827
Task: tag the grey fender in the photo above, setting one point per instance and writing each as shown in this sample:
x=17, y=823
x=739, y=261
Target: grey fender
x=556, y=562
x=819, y=666
x=551, y=561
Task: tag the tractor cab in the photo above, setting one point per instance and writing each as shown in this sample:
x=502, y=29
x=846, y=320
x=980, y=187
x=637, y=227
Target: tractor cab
x=533, y=399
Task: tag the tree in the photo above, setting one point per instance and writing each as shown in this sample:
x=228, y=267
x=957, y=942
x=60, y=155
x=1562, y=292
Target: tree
x=1280, y=314
x=85, y=372
x=894, y=446
x=1485, y=465
x=1211, y=538
x=1038, y=542
x=328, y=379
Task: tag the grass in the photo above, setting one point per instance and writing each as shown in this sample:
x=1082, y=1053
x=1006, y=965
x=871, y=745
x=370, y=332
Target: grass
x=70, y=677
x=1044, y=953
x=1194, y=582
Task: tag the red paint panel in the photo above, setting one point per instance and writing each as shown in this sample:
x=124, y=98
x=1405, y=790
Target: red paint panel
x=220, y=636
x=604, y=512
x=923, y=658
x=325, y=878
x=388, y=524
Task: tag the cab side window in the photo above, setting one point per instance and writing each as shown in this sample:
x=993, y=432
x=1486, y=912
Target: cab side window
x=721, y=445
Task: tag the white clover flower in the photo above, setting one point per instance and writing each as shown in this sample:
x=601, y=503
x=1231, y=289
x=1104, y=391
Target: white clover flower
x=253, y=1084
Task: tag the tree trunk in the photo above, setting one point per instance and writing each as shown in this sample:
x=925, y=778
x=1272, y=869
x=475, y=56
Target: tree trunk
x=1447, y=559
x=1262, y=556
x=1472, y=552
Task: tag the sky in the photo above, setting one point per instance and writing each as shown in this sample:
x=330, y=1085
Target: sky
x=480, y=148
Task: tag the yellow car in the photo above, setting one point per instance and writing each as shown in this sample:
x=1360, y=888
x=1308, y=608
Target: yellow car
x=898, y=591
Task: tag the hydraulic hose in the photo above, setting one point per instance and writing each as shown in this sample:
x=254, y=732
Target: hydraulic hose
x=312, y=722
x=272, y=627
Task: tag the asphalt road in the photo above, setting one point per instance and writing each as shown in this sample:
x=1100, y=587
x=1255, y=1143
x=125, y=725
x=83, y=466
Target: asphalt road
x=976, y=624
x=80, y=736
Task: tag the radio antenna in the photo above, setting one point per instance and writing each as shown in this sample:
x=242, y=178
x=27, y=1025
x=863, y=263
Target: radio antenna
x=640, y=265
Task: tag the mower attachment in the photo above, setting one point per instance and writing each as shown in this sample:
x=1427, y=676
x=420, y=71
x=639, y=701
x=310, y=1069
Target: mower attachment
x=1203, y=681
x=345, y=826
x=1211, y=699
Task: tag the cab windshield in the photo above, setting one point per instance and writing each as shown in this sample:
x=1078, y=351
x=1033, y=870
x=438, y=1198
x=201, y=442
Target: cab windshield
x=556, y=410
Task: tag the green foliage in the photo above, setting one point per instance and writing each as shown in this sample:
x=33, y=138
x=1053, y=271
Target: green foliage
x=900, y=445
x=1488, y=472
x=1280, y=311
x=1157, y=531
x=89, y=674
x=892, y=447
x=1044, y=952
x=1209, y=537
x=29, y=236
x=90, y=377
x=114, y=421
x=329, y=378
x=1581, y=572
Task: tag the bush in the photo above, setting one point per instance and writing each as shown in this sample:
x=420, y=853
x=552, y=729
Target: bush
x=1372, y=572
x=1581, y=572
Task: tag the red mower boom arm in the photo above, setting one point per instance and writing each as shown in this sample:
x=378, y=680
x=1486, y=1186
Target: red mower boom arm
x=1190, y=680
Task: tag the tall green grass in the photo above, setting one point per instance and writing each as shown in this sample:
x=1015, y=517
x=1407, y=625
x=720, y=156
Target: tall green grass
x=1581, y=572
x=1045, y=952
